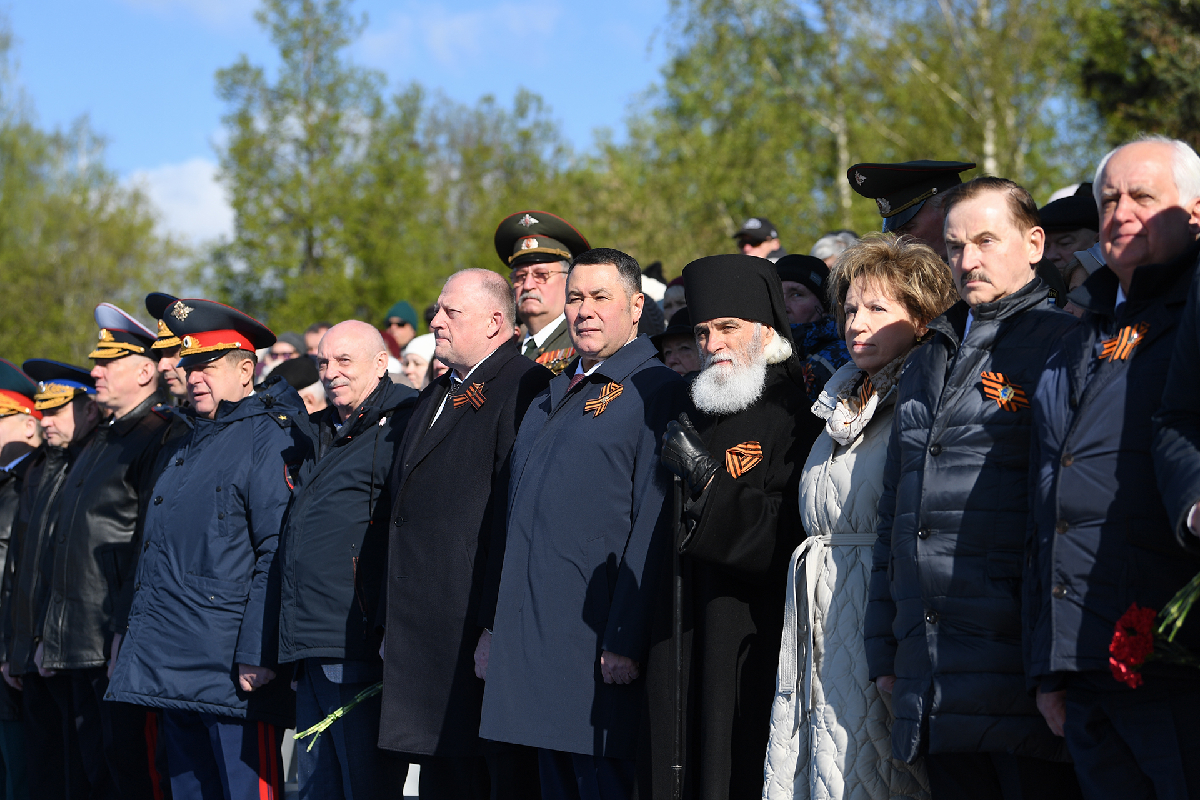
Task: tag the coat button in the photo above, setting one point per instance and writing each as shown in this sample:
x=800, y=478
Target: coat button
x=923, y=533
x=1068, y=459
x=218, y=488
x=1061, y=526
x=220, y=515
x=137, y=586
x=158, y=500
x=1058, y=592
x=145, y=547
x=931, y=617
x=179, y=462
x=935, y=449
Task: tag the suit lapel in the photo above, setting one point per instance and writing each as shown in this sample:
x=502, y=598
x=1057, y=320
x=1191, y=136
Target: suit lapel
x=431, y=437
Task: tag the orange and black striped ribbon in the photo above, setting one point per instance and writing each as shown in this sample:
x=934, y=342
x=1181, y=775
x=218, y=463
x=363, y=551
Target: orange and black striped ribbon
x=473, y=394
x=741, y=458
x=864, y=393
x=1121, y=346
x=609, y=393
x=1009, y=396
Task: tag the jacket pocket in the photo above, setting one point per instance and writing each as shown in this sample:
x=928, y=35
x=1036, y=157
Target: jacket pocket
x=216, y=588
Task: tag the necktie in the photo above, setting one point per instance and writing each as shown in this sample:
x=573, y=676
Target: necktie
x=531, y=347
x=575, y=381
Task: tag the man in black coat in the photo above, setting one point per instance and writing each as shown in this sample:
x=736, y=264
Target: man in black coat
x=1103, y=538
x=446, y=545
x=943, y=623
x=331, y=555
x=69, y=418
x=740, y=521
x=91, y=577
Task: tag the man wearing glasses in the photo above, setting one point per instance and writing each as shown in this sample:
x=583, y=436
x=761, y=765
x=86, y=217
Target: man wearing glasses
x=535, y=245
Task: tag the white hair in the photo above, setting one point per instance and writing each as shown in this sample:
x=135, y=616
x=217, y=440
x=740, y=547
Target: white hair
x=832, y=244
x=1185, y=167
x=778, y=350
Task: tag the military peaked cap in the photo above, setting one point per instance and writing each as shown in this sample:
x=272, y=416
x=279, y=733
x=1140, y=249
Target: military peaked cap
x=535, y=237
x=157, y=304
x=900, y=190
x=58, y=383
x=208, y=330
x=120, y=334
x=16, y=391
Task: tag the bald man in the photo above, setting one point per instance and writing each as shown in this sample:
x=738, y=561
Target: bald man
x=331, y=557
x=444, y=557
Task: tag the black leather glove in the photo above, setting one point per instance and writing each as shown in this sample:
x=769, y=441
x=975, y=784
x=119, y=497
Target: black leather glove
x=685, y=455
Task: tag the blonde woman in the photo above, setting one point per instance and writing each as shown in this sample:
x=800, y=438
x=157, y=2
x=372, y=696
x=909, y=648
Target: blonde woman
x=830, y=725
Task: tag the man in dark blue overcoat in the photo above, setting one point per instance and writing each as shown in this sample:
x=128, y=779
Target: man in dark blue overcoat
x=588, y=525
x=202, y=634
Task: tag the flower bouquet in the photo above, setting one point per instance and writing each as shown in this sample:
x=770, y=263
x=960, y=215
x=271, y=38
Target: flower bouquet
x=1137, y=639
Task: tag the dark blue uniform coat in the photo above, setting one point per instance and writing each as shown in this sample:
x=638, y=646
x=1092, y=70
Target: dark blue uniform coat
x=212, y=527
x=588, y=523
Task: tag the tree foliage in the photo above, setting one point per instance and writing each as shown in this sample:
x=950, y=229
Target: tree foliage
x=1140, y=65
x=71, y=235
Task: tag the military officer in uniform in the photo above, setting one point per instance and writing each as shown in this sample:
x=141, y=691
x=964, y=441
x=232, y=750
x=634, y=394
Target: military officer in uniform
x=69, y=417
x=536, y=246
x=98, y=545
x=166, y=346
x=201, y=638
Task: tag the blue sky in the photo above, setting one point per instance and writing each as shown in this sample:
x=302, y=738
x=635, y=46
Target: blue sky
x=142, y=70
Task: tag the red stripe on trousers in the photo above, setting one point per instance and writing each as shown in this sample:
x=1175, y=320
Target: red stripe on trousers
x=151, y=753
x=264, y=786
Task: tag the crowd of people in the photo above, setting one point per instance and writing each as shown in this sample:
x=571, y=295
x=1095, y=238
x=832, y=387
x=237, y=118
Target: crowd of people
x=861, y=523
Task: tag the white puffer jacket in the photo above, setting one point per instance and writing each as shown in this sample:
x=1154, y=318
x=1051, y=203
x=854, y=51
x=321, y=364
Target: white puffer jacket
x=830, y=726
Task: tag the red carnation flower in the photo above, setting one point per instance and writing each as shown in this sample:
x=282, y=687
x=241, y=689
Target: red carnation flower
x=1132, y=644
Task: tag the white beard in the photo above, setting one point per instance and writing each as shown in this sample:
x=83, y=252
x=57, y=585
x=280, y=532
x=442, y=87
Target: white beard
x=730, y=387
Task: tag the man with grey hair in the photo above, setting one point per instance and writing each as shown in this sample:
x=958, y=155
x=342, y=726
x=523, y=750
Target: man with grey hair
x=331, y=554
x=1108, y=546
x=831, y=245
x=444, y=557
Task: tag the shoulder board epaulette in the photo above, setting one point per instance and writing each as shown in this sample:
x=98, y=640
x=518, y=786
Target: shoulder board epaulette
x=281, y=419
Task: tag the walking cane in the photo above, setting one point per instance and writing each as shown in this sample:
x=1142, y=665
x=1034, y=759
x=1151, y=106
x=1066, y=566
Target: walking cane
x=677, y=646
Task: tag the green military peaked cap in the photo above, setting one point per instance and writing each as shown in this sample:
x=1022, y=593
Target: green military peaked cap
x=535, y=237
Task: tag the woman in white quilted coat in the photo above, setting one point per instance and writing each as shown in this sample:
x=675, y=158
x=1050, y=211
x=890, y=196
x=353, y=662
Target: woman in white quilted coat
x=830, y=725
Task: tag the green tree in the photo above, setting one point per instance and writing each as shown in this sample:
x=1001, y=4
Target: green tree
x=1140, y=66
x=71, y=234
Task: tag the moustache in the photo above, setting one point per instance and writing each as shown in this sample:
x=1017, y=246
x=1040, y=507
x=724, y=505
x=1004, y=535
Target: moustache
x=974, y=275
x=531, y=294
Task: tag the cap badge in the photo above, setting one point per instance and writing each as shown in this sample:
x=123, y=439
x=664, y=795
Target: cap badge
x=741, y=458
x=473, y=394
x=189, y=342
x=1009, y=396
x=609, y=393
x=527, y=221
x=105, y=336
x=859, y=178
x=752, y=224
x=884, y=206
x=529, y=244
x=180, y=311
x=1120, y=347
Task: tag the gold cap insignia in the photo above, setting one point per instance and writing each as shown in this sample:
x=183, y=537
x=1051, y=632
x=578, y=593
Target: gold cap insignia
x=529, y=244
x=180, y=311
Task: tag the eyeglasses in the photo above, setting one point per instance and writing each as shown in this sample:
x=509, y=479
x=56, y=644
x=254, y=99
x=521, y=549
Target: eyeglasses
x=540, y=275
